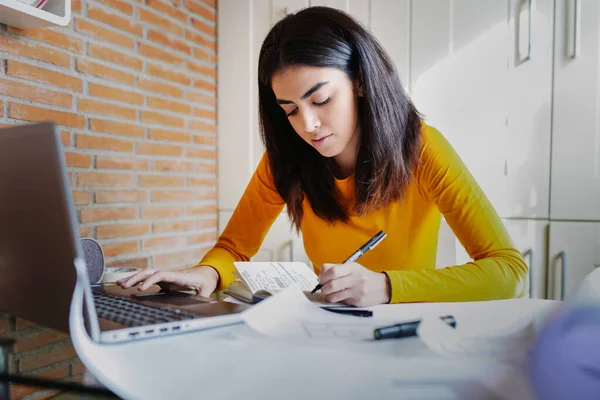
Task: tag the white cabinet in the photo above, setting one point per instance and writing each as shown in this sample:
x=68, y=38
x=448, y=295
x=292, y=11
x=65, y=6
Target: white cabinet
x=574, y=252
x=576, y=115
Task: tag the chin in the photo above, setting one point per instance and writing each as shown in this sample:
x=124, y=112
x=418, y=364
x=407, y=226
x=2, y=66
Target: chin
x=328, y=153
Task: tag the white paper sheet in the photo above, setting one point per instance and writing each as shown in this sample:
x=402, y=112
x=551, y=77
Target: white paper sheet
x=276, y=276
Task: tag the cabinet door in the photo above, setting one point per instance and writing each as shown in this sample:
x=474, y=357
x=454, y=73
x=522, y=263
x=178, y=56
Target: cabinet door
x=459, y=81
x=576, y=118
x=574, y=252
x=527, y=156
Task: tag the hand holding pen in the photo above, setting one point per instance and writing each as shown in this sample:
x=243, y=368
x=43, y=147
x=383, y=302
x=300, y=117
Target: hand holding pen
x=351, y=283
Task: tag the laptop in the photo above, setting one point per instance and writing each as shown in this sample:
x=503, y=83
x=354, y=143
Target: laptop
x=40, y=247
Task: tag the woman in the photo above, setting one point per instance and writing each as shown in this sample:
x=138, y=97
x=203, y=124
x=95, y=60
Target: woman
x=348, y=154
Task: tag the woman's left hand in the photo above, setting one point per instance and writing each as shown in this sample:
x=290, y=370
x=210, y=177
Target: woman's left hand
x=353, y=284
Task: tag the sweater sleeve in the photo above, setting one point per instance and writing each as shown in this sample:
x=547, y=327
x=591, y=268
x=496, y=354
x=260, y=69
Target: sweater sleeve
x=497, y=270
x=255, y=213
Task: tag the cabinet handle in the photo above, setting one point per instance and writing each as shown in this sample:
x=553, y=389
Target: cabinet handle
x=518, y=59
x=529, y=253
x=563, y=273
x=576, y=13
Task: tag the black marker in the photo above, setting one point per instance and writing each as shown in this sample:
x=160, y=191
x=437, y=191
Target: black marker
x=406, y=329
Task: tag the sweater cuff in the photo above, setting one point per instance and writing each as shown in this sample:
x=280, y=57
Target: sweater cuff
x=221, y=261
x=395, y=286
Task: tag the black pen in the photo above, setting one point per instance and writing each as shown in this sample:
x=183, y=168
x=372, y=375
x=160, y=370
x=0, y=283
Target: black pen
x=406, y=329
x=349, y=311
x=370, y=245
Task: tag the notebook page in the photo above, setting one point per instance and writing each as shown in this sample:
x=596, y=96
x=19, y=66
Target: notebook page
x=276, y=276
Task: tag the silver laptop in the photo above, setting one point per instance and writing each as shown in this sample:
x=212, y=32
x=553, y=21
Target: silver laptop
x=40, y=245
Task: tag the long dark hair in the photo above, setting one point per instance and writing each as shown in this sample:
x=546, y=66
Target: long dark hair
x=390, y=124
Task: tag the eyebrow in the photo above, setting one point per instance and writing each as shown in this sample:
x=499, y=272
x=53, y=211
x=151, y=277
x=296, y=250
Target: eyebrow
x=305, y=95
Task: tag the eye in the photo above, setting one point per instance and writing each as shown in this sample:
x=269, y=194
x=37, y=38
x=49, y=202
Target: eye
x=323, y=102
x=292, y=113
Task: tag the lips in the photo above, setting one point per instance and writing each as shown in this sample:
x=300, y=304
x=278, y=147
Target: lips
x=320, y=141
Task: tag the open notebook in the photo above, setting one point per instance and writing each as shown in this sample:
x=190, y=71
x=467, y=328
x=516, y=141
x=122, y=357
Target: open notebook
x=259, y=280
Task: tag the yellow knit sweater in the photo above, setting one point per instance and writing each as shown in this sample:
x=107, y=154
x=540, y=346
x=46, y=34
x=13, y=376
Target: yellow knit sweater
x=441, y=185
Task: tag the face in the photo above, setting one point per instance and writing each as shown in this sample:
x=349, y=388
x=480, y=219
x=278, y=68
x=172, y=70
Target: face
x=322, y=107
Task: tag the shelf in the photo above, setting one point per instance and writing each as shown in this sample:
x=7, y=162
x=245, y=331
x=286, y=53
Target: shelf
x=20, y=15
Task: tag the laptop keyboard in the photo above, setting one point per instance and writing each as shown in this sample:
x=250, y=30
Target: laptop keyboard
x=130, y=313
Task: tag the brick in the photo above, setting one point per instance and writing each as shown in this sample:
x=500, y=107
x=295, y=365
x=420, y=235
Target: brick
x=115, y=57
x=168, y=74
x=130, y=262
x=92, y=68
x=160, y=22
x=102, y=143
x=122, y=6
x=34, y=93
x=171, y=136
x=208, y=140
x=122, y=230
x=169, y=105
x=155, y=212
x=206, y=223
x=159, y=149
x=169, y=42
x=65, y=138
x=204, y=113
x=172, y=166
x=37, y=74
x=152, y=117
x=112, y=19
x=172, y=226
x=111, y=93
x=171, y=241
x=206, y=168
x=198, y=9
x=125, y=196
x=210, y=3
x=118, y=249
x=52, y=37
x=201, y=153
x=107, y=214
x=209, y=71
x=104, y=179
x=204, y=27
x=85, y=231
x=99, y=32
x=76, y=160
x=204, y=85
x=195, y=182
x=23, y=324
x=62, y=353
x=207, y=194
x=35, y=51
x=76, y=6
x=204, y=209
x=201, y=98
x=202, y=238
x=201, y=126
x=152, y=85
x=202, y=41
x=167, y=9
x=117, y=128
x=161, y=181
x=4, y=325
x=42, y=338
x=172, y=195
x=130, y=163
x=202, y=54
x=31, y=113
x=99, y=107
x=81, y=198
x=159, y=54
x=180, y=258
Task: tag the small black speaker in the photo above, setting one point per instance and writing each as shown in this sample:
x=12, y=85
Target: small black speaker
x=94, y=259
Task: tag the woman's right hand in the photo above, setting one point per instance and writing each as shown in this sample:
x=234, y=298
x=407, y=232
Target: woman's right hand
x=203, y=280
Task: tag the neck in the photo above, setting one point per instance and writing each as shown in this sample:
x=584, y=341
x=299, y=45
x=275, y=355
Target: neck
x=345, y=162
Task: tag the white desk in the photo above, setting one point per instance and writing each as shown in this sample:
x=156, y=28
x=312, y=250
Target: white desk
x=235, y=362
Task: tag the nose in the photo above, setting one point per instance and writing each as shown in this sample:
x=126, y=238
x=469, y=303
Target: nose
x=310, y=121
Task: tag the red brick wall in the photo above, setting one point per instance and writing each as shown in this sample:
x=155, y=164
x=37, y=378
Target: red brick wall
x=132, y=87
